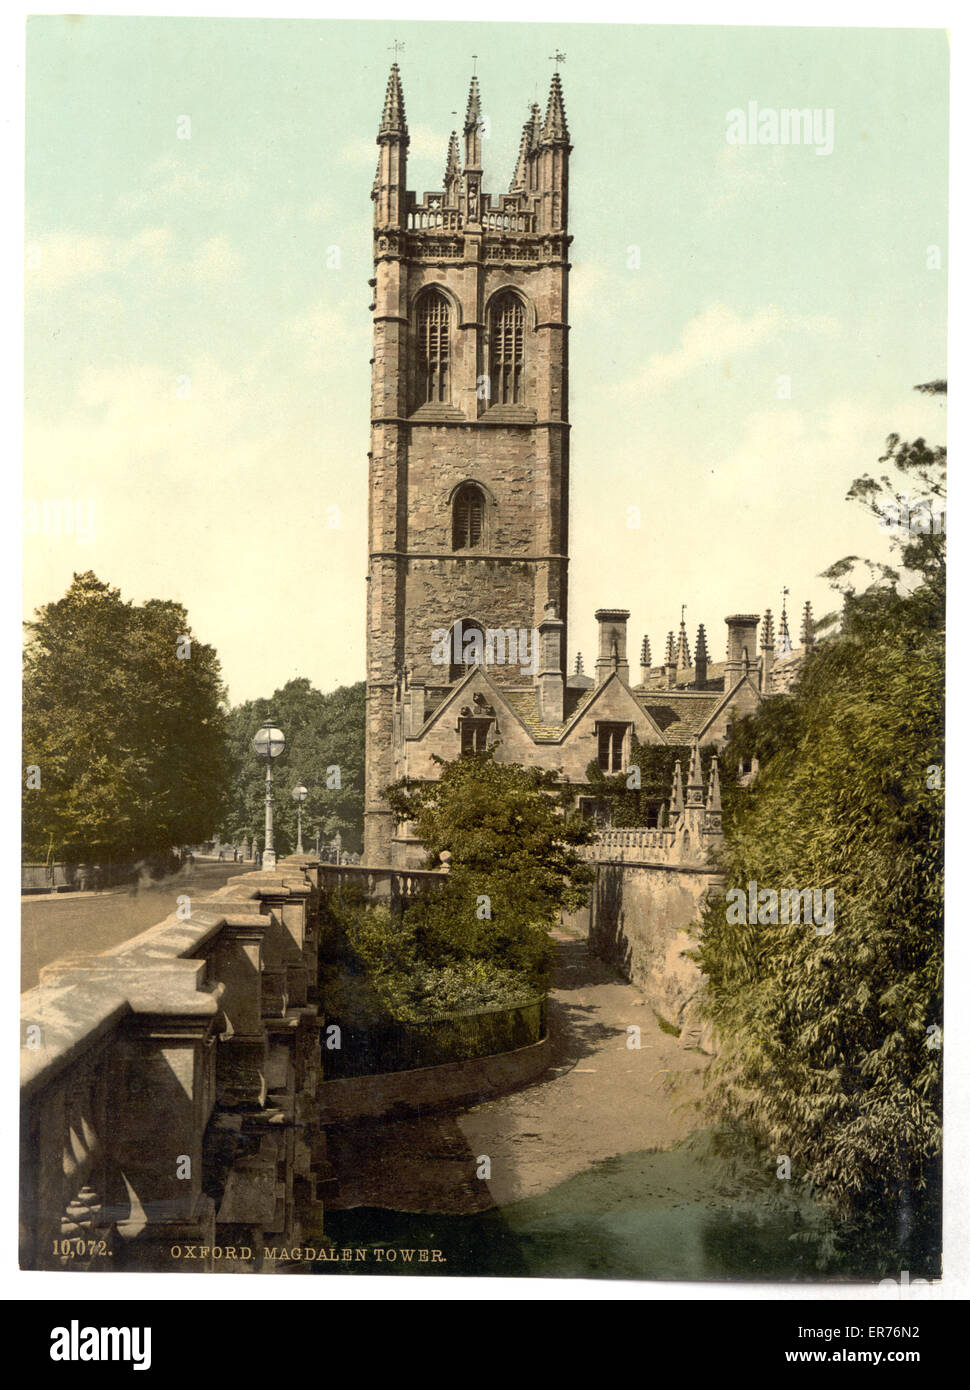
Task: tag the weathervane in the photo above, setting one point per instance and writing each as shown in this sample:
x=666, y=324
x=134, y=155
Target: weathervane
x=474, y=64
x=557, y=58
x=397, y=47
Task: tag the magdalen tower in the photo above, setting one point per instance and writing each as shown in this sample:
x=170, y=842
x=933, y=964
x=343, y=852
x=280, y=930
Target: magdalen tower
x=469, y=461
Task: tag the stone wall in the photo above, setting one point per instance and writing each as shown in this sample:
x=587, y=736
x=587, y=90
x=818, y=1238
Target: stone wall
x=639, y=920
x=168, y=1094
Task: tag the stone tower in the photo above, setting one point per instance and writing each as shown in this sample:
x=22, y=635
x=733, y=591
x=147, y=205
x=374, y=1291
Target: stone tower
x=469, y=462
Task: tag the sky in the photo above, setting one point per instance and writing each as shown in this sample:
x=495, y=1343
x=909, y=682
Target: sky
x=747, y=320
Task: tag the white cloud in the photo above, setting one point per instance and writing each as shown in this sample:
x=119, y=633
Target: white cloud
x=62, y=260
x=172, y=178
x=717, y=335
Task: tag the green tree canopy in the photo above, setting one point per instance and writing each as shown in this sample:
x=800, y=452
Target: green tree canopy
x=124, y=718
x=324, y=744
x=515, y=862
x=830, y=1039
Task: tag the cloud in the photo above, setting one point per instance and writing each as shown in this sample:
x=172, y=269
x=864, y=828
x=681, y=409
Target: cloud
x=172, y=178
x=715, y=336
x=64, y=260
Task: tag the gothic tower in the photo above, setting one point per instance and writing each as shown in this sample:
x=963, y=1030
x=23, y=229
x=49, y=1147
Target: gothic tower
x=469, y=476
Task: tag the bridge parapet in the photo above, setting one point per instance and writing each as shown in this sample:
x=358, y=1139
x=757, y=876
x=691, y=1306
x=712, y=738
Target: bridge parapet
x=168, y=1089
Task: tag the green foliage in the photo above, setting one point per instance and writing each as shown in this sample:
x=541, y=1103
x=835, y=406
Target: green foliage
x=515, y=863
x=322, y=732
x=382, y=975
x=826, y=1040
x=130, y=738
x=633, y=806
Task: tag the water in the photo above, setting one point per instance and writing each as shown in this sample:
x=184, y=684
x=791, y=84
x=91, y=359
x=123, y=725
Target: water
x=678, y=1214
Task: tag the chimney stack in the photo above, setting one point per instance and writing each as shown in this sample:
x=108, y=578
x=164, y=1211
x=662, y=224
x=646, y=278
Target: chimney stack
x=612, y=644
x=742, y=646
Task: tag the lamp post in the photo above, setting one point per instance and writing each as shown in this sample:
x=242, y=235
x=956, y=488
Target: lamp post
x=269, y=744
x=300, y=795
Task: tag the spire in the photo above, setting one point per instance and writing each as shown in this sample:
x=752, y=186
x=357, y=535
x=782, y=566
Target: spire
x=808, y=627
x=452, y=172
x=677, y=794
x=452, y=162
x=701, y=658
x=555, y=128
x=669, y=654
x=767, y=632
x=473, y=113
x=645, y=651
x=579, y=663
x=784, y=636
x=392, y=120
x=683, y=650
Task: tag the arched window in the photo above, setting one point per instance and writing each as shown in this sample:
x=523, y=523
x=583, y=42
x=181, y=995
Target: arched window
x=467, y=647
x=507, y=338
x=434, y=350
x=468, y=518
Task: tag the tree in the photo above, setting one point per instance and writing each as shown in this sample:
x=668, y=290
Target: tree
x=125, y=724
x=324, y=751
x=830, y=1039
x=515, y=862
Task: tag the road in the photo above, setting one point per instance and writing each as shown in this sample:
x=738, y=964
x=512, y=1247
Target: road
x=70, y=924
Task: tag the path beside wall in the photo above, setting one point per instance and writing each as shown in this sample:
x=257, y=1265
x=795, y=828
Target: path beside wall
x=639, y=919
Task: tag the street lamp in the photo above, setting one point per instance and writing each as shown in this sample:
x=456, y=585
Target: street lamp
x=269, y=744
x=300, y=795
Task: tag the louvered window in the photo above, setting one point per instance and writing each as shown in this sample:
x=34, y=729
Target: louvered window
x=434, y=350
x=507, y=344
x=468, y=519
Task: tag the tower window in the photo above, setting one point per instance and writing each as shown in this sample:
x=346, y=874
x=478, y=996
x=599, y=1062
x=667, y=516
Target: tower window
x=507, y=347
x=610, y=752
x=468, y=518
x=434, y=350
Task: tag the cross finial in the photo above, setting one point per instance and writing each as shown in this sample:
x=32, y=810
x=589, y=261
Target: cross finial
x=474, y=64
x=557, y=58
x=397, y=48
x=683, y=610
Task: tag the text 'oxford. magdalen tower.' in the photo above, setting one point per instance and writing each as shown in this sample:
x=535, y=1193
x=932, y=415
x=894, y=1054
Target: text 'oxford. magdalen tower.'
x=469, y=475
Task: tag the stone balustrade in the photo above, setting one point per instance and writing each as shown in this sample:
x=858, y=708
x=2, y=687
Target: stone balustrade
x=168, y=1088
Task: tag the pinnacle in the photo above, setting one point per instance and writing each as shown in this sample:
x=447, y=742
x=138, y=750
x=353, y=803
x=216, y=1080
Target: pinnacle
x=474, y=113
x=452, y=164
x=392, y=119
x=555, y=123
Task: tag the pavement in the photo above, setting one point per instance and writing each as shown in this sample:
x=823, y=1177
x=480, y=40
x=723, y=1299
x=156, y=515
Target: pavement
x=56, y=926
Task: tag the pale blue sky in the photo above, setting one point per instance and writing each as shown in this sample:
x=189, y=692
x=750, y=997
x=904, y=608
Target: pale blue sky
x=152, y=259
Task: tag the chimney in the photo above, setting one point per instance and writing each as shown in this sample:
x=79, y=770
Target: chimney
x=701, y=659
x=550, y=678
x=612, y=644
x=742, y=649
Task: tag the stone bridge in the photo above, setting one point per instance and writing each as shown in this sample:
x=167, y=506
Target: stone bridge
x=168, y=1101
